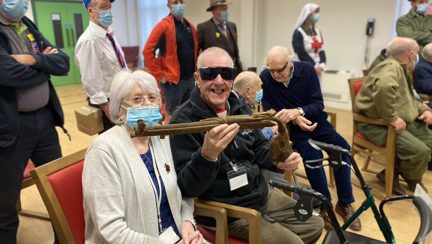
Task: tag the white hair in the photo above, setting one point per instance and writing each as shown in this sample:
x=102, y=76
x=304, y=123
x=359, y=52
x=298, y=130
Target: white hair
x=122, y=85
x=219, y=52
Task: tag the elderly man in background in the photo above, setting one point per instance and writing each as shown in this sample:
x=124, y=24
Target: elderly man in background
x=248, y=84
x=387, y=94
x=219, y=32
x=99, y=57
x=423, y=71
x=416, y=24
x=175, y=41
x=293, y=90
x=224, y=164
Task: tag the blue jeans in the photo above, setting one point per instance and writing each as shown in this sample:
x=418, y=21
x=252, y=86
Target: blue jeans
x=175, y=95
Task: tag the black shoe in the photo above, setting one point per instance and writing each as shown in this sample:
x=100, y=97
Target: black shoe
x=397, y=189
x=430, y=166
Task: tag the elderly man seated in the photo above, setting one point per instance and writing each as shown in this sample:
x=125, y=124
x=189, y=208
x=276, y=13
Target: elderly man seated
x=387, y=94
x=248, y=85
x=423, y=71
x=224, y=163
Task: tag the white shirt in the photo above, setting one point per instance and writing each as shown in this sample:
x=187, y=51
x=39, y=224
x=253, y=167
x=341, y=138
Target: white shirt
x=97, y=61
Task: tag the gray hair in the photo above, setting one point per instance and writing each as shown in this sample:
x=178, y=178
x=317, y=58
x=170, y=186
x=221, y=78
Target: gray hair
x=211, y=50
x=242, y=80
x=400, y=46
x=281, y=50
x=122, y=85
x=427, y=52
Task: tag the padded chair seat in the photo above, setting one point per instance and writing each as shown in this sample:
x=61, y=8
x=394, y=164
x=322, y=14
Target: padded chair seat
x=331, y=237
x=210, y=235
x=360, y=135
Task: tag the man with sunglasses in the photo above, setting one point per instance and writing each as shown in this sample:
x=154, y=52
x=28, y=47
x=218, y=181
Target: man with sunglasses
x=224, y=164
x=293, y=89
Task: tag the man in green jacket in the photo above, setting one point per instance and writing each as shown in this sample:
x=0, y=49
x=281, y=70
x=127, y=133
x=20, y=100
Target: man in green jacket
x=416, y=24
x=388, y=94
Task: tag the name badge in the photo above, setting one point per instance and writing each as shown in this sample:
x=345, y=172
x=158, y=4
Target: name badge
x=237, y=177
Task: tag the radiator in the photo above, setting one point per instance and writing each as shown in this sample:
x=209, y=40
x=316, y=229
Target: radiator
x=335, y=90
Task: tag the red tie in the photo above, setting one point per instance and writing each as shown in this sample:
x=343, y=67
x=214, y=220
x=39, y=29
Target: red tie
x=116, y=49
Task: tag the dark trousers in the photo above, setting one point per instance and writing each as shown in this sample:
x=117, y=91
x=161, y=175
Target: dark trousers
x=317, y=178
x=37, y=140
x=175, y=95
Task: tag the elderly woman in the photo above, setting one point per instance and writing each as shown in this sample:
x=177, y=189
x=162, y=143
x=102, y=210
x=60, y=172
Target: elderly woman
x=307, y=40
x=130, y=184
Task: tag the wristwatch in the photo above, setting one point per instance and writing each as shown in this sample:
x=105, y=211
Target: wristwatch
x=302, y=113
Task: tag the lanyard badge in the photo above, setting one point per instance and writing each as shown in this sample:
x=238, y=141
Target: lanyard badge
x=237, y=177
x=35, y=46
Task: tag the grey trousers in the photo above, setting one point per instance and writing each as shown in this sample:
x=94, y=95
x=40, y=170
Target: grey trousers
x=286, y=229
x=413, y=147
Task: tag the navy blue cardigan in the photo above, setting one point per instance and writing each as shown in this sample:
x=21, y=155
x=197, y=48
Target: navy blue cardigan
x=423, y=77
x=303, y=91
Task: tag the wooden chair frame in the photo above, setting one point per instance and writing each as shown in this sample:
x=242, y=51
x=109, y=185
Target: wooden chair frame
x=220, y=212
x=362, y=144
x=27, y=182
x=40, y=177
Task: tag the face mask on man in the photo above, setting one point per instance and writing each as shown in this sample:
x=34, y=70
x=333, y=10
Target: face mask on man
x=259, y=96
x=421, y=9
x=224, y=15
x=105, y=17
x=315, y=17
x=416, y=61
x=15, y=9
x=178, y=10
x=149, y=114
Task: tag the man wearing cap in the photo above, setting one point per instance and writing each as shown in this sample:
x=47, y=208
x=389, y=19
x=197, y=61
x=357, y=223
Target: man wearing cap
x=219, y=32
x=416, y=24
x=170, y=55
x=99, y=56
x=30, y=108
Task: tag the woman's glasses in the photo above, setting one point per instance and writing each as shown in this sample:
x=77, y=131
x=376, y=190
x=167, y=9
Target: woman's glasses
x=138, y=100
x=210, y=73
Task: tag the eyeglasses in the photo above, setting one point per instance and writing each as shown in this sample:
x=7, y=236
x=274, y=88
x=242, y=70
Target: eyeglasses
x=210, y=73
x=138, y=100
x=277, y=70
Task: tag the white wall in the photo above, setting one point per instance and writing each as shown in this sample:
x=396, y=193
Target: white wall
x=262, y=24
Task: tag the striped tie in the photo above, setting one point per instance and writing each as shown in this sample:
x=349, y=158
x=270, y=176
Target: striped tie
x=116, y=49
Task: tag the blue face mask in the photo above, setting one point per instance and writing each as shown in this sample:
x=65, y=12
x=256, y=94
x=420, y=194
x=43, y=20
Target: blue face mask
x=149, y=114
x=315, y=17
x=421, y=9
x=105, y=17
x=259, y=96
x=178, y=10
x=15, y=9
x=224, y=15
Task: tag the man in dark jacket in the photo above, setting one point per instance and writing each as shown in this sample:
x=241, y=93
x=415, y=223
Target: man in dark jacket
x=30, y=108
x=224, y=164
x=219, y=32
x=423, y=72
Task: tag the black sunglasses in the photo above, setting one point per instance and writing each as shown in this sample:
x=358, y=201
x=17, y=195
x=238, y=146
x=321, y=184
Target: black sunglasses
x=210, y=73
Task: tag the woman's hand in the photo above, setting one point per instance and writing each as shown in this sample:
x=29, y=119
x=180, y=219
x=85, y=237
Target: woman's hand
x=189, y=234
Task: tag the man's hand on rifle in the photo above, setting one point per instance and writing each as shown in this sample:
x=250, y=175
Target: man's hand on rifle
x=217, y=139
x=291, y=163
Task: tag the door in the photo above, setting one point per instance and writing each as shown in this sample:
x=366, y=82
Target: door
x=62, y=23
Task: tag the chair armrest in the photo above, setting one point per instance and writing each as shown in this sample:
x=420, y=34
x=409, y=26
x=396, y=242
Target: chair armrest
x=220, y=216
x=332, y=117
x=251, y=215
x=364, y=119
